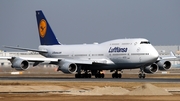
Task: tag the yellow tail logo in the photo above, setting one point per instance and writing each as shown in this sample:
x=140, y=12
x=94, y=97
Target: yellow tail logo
x=42, y=28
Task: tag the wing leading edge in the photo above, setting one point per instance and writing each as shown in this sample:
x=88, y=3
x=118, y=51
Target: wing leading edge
x=57, y=60
x=26, y=49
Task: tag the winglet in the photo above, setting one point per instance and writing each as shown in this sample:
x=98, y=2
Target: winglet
x=172, y=54
x=46, y=34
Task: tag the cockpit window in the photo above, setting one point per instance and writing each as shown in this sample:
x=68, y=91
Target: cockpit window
x=145, y=42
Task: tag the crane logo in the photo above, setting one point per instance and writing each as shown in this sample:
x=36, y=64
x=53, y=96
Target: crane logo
x=42, y=28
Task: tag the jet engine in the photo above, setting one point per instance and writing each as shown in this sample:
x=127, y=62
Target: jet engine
x=151, y=69
x=164, y=65
x=20, y=64
x=67, y=67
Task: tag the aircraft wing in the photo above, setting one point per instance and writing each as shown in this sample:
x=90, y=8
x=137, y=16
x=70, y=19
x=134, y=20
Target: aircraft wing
x=26, y=49
x=56, y=60
x=172, y=57
x=32, y=59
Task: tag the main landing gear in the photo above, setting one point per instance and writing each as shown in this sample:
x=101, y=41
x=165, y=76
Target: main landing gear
x=116, y=74
x=86, y=74
x=99, y=74
x=83, y=75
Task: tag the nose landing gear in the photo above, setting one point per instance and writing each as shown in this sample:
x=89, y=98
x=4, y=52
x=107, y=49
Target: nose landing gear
x=142, y=74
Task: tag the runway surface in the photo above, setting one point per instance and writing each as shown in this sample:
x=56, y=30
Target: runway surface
x=128, y=76
x=61, y=79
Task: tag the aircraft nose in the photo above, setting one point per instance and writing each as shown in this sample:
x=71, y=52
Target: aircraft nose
x=154, y=54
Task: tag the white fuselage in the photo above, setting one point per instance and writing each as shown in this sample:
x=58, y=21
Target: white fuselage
x=121, y=53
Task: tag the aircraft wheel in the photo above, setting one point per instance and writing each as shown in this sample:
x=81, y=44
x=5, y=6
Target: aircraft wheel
x=142, y=75
x=115, y=75
x=102, y=75
x=119, y=75
x=77, y=75
x=96, y=76
x=88, y=75
x=99, y=76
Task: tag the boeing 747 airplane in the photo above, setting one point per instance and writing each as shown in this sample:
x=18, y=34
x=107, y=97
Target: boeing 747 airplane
x=87, y=60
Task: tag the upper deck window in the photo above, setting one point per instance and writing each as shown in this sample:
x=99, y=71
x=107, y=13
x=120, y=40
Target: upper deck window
x=145, y=42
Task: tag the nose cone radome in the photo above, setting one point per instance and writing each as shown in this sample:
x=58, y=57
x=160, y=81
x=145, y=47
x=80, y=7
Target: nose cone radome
x=154, y=54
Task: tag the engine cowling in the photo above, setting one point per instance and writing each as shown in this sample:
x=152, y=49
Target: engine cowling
x=20, y=64
x=67, y=67
x=164, y=65
x=151, y=69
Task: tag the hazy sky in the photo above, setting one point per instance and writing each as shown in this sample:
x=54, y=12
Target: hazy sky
x=88, y=21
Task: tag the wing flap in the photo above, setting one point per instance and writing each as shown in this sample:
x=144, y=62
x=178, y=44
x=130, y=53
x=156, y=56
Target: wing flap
x=90, y=61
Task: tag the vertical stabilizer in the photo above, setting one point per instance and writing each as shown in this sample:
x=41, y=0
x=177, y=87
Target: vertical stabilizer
x=46, y=34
